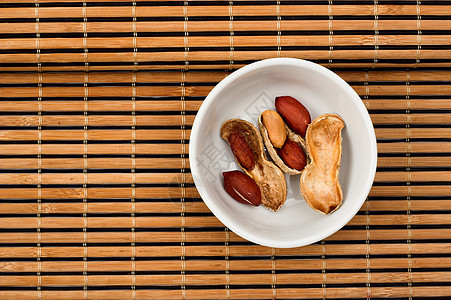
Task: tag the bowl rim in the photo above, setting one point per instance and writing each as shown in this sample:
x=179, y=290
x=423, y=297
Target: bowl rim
x=265, y=64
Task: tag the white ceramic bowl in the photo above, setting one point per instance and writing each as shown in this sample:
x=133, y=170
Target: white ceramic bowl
x=245, y=94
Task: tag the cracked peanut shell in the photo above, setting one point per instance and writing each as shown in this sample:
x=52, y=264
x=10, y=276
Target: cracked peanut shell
x=266, y=174
x=319, y=181
x=272, y=151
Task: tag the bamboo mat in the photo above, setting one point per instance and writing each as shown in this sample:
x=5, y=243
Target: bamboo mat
x=97, y=102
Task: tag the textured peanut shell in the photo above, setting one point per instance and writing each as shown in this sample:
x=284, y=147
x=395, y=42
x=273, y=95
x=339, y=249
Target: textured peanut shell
x=267, y=175
x=319, y=180
x=273, y=152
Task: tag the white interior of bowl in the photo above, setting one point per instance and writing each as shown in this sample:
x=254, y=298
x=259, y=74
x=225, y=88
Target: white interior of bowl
x=245, y=94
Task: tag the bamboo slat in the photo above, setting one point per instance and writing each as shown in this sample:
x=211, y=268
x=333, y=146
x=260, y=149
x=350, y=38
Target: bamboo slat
x=176, y=120
x=61, y=135
x=234, y=265
x=97, y=106
x=292, y=293
x=222, y=26
x=215, y=251
x=214, y=56
x=112, y=148
x=235, y=279
x=193, y=221
x=348, y=236
x=211, y=77
x=105, y=91
x=155, y=120
x=94, y=163
x=390, y=205
x=223, y=10
x=98, y=193
x=222, y=64
x=223, y=41
x=151, y=134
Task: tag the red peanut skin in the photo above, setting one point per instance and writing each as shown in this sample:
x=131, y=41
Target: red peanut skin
x=294, y=114
x=241, y=150
x=292, y=155
x=237, y=183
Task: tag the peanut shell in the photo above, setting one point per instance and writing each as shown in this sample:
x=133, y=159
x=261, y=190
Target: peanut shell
x=319, y=181
x=266, y=174
x=272, y=151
